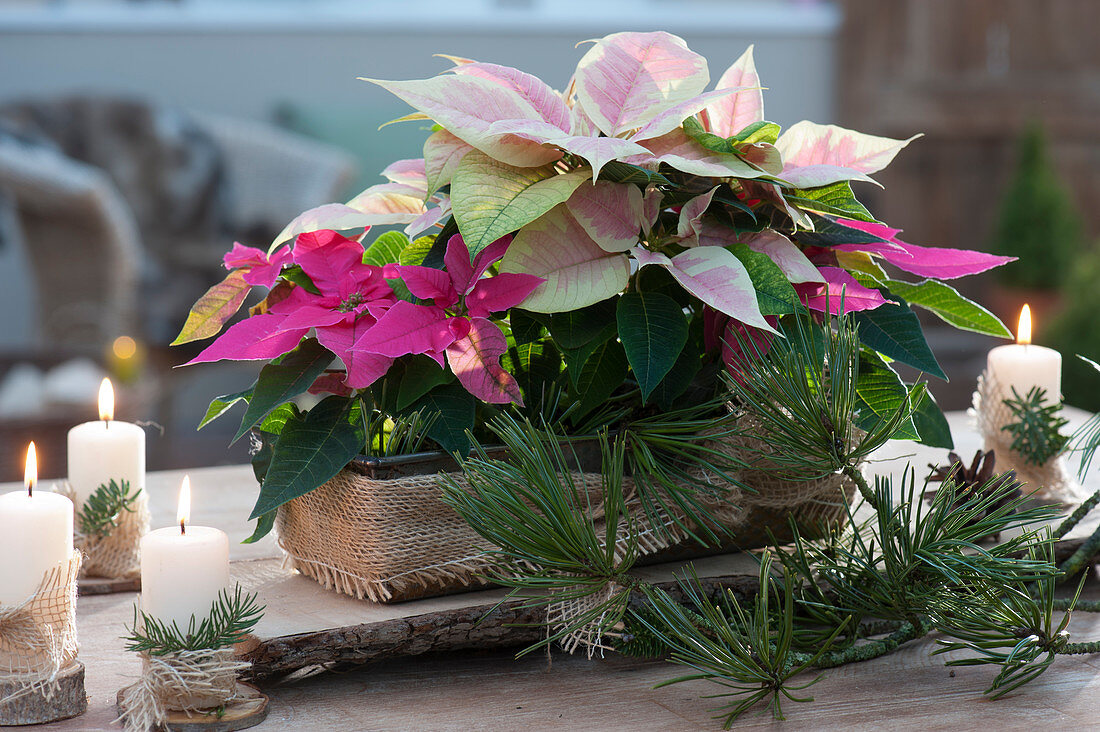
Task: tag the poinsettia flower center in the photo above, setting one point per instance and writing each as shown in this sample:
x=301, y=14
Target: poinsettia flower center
x=353, y=301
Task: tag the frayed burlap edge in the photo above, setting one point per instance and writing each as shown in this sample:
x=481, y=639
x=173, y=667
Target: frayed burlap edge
x=401, y=522
x=393, y=540
x=1050, y=482
x=38, y=636
x=116, y=555
x=187, y=681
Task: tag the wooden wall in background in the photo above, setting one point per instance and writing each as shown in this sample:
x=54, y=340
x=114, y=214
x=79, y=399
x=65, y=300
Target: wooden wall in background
x=970, y=74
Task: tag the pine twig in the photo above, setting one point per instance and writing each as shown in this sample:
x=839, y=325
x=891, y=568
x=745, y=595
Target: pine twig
x=856, y=476
x=1081, y=558
x=855, y=654
x=103, y=509
x=1075, y=518
x=1035, y=433
x=230, y=619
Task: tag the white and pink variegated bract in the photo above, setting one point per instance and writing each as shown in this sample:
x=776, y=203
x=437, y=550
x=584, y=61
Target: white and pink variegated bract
x=636, y=165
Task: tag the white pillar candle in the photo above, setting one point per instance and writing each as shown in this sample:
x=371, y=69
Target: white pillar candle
x=1023, y=366
x=183, y=568
x=36, y=535
x=105, y=450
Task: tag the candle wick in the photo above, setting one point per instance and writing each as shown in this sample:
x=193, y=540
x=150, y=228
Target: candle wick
x=106, y=424
x=183, y=529
x=30, y=489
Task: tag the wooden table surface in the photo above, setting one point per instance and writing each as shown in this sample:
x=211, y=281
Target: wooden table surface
x=491, y=690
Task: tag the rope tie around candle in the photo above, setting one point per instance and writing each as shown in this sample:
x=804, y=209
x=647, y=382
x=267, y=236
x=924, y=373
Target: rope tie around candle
x=38, y=636
x=189, y=681
x=1050, y=482
x=117, y=553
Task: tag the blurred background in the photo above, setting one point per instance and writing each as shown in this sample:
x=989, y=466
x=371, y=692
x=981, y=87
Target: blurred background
x=138, y=140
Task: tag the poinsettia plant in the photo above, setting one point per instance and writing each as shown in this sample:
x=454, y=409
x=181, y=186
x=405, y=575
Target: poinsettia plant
x=584, y=256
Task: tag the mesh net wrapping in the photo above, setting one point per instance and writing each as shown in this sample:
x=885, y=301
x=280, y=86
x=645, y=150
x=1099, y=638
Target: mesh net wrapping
x=38, y=636
x=117, y=554
x=1051, y=481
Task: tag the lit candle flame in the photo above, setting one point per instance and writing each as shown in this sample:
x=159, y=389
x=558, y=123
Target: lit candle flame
x=183, y=513
x=1023, y=333
x=30, y=473
x=106, y=401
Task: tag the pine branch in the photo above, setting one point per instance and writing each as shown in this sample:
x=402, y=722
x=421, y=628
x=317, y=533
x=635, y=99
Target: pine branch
x=1010, y=625
x=1035, y=433
x=548, y=547
x=802, y=393
x=748, y=653
x=1075, y=518
x=103, y=509
x=230, y=619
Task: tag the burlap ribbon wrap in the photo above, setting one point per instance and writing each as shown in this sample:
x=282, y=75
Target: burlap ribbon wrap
x=194, y=682
x=117, y=554
x=38, y=636
x=1050, y=482
x=392, y=540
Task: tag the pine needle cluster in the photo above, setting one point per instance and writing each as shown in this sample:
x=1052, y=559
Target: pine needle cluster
x=856, y=593
x=231, y=618
x=1036, y=433
x=103, y=509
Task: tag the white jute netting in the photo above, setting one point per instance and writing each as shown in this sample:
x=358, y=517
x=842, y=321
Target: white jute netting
x=193, y=682
x=1049, y=482
x=393, y=540
x=117, y=554
x=38, y=636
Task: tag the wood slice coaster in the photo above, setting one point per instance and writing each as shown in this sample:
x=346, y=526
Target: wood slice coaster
x=67, y=699
x=106, y=585
x=247, y=710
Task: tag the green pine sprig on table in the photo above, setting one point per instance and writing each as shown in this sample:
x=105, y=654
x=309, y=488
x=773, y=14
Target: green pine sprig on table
x=103, y=509
x=231, y=618
x=748, y=652
x=1036, y=432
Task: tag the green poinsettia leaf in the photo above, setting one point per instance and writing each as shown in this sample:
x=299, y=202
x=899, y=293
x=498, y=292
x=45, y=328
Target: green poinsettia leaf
x=386, y=249
x=880, y=392
x=421, y=374
x=951, y=307
x=894, y=331
x=618, y=172
x=298, y=276
x=222, y=404
x=774, y=292
x=283, y=380
x=653, y=332
x=274, y=422
x=828, y=233
x=602, y=373
x=931, y=424
x=313, y=447
x=836, y=199
x=455, y=407
x=415, y=252
x=679, y=377
x=264, y=525
x=762, y=131
x=576, y=358
x=527, y=327
x=537, y=367
x=575, y=328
